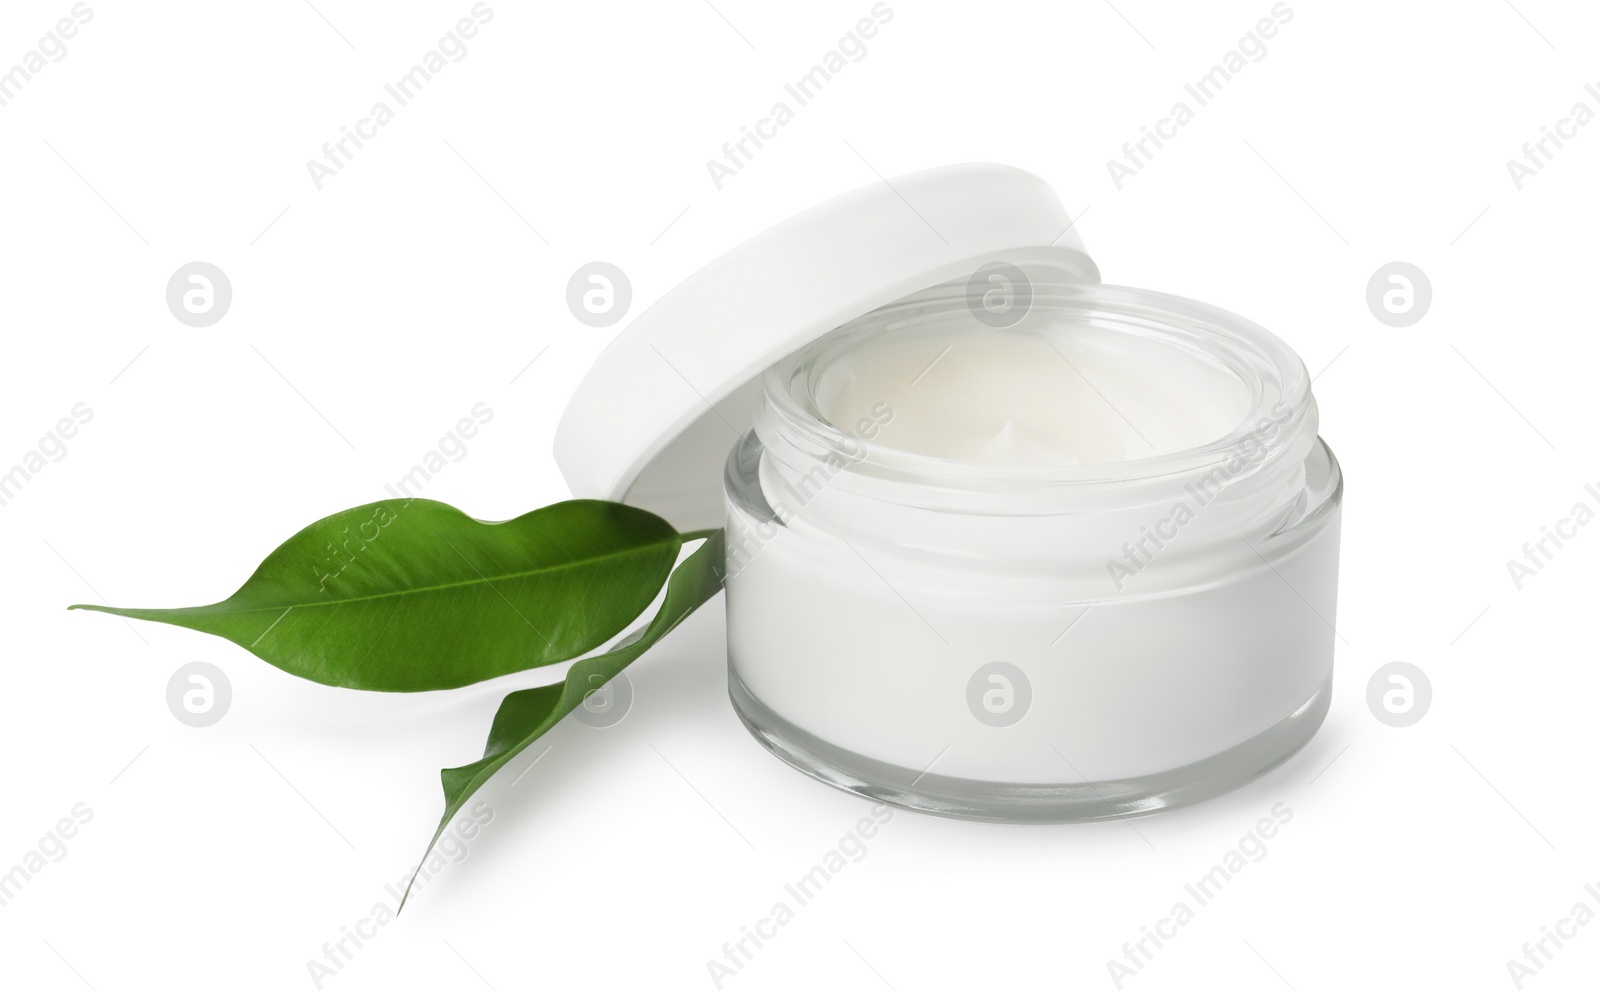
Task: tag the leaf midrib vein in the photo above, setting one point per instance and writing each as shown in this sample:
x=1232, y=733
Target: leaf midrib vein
x=484, y=580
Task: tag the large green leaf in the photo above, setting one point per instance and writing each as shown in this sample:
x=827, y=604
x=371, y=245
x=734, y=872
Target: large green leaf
x=525, y=716
x=411, y=595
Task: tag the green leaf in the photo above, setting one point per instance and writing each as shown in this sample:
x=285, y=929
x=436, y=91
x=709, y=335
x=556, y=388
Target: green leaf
x=412, y=595
x=525, y=716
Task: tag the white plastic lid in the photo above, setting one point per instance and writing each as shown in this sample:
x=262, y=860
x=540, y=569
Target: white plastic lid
x=655, y=418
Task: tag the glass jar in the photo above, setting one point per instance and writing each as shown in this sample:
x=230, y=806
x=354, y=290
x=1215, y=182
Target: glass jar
x=1029, y=637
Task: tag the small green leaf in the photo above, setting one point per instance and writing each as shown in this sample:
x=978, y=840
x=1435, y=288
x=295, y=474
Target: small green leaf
x=414, y=595
x=525, y=716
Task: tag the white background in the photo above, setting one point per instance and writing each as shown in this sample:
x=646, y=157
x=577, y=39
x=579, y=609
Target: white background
x=427, y=276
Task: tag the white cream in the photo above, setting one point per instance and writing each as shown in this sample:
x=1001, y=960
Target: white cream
x=1068, y=393
x=1123, y=499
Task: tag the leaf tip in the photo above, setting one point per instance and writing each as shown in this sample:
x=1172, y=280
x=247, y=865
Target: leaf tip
x=407, y=895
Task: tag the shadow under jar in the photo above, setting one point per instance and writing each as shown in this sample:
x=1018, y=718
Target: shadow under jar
x=1079, y=567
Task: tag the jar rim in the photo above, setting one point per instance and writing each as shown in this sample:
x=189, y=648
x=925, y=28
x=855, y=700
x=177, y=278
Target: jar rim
x=1277, y=380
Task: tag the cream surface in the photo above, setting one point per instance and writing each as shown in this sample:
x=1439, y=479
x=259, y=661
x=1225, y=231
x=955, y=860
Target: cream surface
x=1043, y=393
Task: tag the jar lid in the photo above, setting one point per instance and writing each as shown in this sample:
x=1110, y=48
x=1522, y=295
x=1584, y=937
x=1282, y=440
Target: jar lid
x=652, y=422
